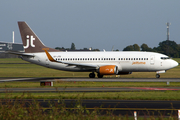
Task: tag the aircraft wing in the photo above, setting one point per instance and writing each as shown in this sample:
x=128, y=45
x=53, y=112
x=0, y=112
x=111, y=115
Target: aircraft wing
x=19, y=53
x=88, y=66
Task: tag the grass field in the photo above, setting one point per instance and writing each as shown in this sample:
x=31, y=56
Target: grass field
x=143, y=95
x=32, y=70
x=65, y=84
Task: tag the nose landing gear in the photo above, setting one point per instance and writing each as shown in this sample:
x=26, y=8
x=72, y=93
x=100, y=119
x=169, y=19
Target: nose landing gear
x=157, y=76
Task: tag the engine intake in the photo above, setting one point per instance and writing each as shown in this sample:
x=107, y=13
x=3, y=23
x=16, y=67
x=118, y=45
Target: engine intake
x=108, y=70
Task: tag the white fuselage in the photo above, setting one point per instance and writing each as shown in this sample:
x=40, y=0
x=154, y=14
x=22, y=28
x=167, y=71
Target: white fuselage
x=126, y=61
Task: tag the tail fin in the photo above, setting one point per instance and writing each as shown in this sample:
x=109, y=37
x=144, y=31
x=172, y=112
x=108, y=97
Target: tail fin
x=31, y=42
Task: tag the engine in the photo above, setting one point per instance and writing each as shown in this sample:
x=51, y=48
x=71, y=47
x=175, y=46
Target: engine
x=108, y=70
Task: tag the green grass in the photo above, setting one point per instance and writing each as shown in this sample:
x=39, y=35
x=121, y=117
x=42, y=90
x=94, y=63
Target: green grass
x=143, y=95
x=88, y=84
x=32, y=70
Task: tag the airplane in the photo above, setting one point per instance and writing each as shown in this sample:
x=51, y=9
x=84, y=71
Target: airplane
x=102, y=63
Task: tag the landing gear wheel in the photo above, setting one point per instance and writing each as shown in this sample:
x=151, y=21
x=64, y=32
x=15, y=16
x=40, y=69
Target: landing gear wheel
x=157, y=76
x=99, y=76
x=91, y=75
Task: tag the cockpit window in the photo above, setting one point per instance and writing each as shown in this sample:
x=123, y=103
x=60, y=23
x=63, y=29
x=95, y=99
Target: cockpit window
x=164, y=58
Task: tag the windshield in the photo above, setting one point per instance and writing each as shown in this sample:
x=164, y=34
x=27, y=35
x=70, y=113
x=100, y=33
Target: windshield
x=164, y=58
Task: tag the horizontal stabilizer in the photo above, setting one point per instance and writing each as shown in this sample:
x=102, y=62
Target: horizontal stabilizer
x=19, y=53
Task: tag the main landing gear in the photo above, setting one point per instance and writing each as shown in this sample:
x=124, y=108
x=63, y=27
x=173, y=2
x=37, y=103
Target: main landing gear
x=99, y=76
x=157, y=76
x=92, y=75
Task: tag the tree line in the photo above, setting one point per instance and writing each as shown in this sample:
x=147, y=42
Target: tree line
x=167, y=47
x=73, y=48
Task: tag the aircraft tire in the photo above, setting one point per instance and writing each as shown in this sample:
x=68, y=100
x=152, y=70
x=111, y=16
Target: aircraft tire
x=91, y=75
x=157, y=76
x=99, y=76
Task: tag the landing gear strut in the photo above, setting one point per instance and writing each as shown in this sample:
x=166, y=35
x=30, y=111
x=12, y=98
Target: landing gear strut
x=157, y=76
x=91, y=75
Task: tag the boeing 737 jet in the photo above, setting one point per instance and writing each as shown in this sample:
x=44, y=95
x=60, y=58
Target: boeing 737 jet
x=102, y=63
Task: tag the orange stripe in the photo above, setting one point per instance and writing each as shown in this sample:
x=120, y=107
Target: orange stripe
x=49, y=56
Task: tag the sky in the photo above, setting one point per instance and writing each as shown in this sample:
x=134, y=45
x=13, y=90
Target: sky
x=101, y=24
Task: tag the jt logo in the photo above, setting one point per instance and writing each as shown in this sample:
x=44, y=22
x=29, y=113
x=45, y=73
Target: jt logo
x=29, y=42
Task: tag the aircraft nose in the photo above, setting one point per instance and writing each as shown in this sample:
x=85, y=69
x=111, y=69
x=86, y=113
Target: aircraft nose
x=174, y=64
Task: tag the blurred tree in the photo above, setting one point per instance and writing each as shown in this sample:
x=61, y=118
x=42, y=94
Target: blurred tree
x=144, y=47
x=136, y=47
x=73, y=46
x=129, y=48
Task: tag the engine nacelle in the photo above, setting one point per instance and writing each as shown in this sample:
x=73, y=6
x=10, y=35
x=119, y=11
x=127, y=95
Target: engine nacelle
x=108, y=70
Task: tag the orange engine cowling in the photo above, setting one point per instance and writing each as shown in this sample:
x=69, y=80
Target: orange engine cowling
x=108, y=70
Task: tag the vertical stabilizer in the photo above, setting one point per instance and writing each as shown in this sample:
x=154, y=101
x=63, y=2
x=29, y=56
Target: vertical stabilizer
x=31, y=42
